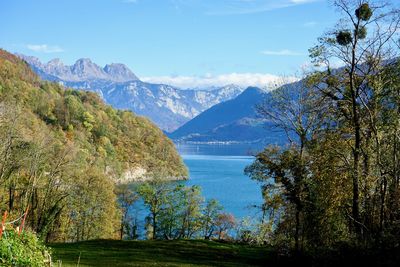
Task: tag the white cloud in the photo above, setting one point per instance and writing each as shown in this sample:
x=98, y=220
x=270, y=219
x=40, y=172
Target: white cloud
x=310, y=24
x=44, y=48
x=283, y=52
x=298, y=2
x=231, y=7
x=208, y=80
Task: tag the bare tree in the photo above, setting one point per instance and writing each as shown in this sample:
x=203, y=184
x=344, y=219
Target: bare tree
x=296, y=109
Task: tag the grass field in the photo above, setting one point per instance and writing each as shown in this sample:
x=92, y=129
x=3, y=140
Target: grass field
x=158, y=253
x=208, y=253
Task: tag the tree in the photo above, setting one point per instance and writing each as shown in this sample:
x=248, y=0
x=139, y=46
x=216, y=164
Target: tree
x=154, y=195
x=297, y=110
x=224, y=223
x=171, y=219
x=282, y=171
x=126, y=198
x=193, y=201
x=362, y=42
x=210, y=215
x=177, y=214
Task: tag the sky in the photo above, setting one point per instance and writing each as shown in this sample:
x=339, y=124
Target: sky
x=187, y=43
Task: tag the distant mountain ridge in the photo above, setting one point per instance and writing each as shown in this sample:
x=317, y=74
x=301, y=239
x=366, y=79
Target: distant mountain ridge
x=167, y=106
x=83, y=69
x=235, y=120
x=222, y=114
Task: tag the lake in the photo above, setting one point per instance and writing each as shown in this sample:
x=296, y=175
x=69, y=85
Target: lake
x=219, y=171
x=241, y=149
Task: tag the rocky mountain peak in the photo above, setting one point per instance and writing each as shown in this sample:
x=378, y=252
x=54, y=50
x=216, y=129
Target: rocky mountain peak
x=85, y=68
x=82, y=70
x=55, y=62
x=30, y=60
x=120, y=72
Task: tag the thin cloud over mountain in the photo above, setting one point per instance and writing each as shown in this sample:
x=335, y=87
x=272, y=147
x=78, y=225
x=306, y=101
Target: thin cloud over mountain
x=241, y=79
x=44, y=48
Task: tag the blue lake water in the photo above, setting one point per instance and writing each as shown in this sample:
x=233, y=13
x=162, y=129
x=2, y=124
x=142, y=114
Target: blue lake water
x=219, y=149
x=219, y=171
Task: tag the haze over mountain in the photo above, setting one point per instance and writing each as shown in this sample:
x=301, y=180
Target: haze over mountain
x=235, y=120
x=167, y=106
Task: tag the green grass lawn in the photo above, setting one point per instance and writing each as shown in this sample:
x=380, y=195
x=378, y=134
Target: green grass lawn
x=208, y=253
x=158, y=253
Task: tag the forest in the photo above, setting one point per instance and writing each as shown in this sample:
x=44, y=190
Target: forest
x=337, y=183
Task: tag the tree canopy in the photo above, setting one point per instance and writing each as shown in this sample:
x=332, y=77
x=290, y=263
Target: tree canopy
x=63, y=150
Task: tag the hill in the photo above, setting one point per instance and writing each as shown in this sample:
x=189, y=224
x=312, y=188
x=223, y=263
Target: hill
x=63, y=150
x=123, y=138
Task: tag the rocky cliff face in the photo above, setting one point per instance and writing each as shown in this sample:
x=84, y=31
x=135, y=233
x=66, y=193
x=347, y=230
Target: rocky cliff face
x=83, y=70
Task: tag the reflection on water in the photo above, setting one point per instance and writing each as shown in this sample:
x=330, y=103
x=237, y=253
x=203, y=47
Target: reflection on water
x=219, y=149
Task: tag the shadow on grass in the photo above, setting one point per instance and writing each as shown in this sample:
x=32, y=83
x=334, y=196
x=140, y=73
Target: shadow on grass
x=164, y=253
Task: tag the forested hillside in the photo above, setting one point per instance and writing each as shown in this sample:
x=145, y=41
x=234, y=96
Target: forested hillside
x=62, y=150
x=338, y=183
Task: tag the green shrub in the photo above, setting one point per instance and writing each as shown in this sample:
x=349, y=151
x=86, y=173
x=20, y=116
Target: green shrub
x=22, y=250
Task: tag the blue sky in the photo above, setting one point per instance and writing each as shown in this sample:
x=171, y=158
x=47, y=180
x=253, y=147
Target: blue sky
x=176, y=41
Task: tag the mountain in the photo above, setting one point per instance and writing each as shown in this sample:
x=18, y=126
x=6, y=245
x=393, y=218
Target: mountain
x=231, y=121
x=167, y=106
x=83, y=70
x=120, y=144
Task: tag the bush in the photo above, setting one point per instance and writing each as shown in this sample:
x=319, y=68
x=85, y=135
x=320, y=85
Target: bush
x=22, y=250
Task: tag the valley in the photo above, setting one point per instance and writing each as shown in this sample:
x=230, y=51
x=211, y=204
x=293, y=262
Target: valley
x=200, y=133
x=167, y=106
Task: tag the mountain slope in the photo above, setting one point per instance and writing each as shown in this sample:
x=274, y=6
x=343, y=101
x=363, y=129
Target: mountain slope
x=118, y=141
x=231, y=121
x=167, y=106
x=222, y=114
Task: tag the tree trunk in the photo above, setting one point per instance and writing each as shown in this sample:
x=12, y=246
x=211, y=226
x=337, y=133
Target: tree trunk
x=382, y=208
x=356, y=161
x=296, y=235
x=357, y=137
x=154, y=225
x=122, y=230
